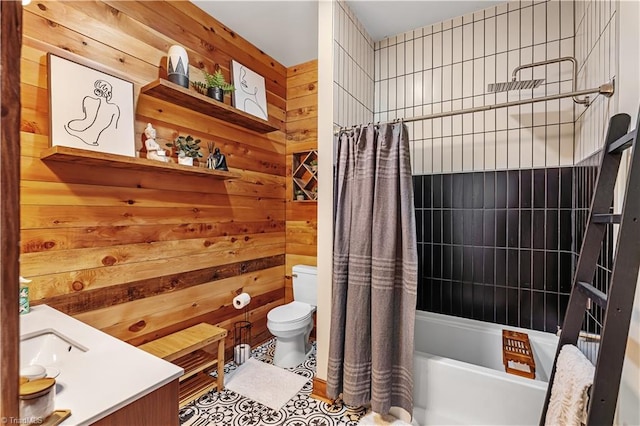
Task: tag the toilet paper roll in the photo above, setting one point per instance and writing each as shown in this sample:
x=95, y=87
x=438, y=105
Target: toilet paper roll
x=241, y=353
x=241, y=300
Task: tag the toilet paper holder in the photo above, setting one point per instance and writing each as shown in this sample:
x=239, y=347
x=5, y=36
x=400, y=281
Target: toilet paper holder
x=241, y=301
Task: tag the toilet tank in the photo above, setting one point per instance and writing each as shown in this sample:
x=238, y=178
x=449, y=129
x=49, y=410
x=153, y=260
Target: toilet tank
x=305, y=280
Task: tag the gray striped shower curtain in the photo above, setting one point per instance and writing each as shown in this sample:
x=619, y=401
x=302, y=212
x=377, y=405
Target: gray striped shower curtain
x=374, y=270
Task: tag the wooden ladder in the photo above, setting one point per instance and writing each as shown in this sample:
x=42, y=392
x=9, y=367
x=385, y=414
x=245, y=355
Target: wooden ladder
x=617, y=303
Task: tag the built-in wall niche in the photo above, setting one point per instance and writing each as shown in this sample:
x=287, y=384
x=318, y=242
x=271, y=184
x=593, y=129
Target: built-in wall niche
x=305, y=175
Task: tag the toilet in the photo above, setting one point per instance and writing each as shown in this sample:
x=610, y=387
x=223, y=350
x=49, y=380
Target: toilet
x=292, y=323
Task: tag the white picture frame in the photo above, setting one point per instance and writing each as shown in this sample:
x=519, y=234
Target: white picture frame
x=250, y=95
x=90, y=109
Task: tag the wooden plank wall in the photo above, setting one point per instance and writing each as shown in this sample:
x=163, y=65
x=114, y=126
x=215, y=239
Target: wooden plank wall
x=141, y=254
x=302, y=135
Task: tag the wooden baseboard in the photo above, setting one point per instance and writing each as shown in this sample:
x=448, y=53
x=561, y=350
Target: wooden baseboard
x=320, y=391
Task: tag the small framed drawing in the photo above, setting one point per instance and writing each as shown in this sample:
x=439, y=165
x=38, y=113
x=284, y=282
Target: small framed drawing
x=250, y=95
x=90, y=109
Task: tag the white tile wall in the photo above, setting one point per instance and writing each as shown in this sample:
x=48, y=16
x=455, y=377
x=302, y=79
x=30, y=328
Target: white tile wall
x=447, y=66
x=595, y=49
x=355, y=66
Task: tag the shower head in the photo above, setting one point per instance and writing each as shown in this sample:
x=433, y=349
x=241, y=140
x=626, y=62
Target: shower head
x=514, y=85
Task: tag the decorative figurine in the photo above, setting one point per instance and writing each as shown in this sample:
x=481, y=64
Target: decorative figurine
x=154, y=152
x=220, y=160
x=216, y=160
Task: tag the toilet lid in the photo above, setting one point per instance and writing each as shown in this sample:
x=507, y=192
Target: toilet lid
x=293, y=311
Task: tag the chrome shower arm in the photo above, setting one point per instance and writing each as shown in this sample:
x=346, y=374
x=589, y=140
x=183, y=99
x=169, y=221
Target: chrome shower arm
x=584, y=101
x=547, y=62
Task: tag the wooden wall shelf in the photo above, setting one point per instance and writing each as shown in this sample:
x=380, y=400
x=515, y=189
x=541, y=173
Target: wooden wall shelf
x=66, y=154
x=178, y=95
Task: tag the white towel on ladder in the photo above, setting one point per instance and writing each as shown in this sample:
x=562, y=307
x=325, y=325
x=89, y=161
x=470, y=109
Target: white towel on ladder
x=569, y=394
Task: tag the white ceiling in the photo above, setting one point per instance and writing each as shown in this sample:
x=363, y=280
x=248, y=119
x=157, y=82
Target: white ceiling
x=387, y=18
x=285, y=30
x=288, y=30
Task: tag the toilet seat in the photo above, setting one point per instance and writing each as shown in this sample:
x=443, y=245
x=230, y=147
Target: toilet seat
x=293, y=312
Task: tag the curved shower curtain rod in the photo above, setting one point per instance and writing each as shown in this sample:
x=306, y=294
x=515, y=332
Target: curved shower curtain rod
x=606, y=89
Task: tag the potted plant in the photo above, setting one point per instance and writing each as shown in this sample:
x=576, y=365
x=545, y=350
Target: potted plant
x=214, y=85
x=314, y=165
x=299, y=195
x=188, y=148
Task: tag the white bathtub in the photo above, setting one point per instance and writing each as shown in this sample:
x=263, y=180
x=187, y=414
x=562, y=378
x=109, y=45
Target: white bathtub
x=459, y=378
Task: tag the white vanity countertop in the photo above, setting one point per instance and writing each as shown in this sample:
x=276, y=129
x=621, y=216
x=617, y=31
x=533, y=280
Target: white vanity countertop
x=107, y=377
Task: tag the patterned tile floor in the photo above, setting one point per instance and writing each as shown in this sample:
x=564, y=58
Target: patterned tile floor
x=231, y=409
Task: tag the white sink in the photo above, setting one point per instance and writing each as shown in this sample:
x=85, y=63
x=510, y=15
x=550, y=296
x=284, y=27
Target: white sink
x=48, y=348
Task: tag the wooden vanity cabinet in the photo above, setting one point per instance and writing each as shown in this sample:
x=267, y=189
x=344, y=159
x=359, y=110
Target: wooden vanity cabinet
x=159, y=408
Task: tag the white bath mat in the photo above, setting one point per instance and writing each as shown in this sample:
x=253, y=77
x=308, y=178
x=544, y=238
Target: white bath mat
x=265, y=383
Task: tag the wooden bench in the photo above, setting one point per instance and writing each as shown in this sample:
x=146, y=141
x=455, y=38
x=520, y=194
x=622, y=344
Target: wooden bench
x=192, y=349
